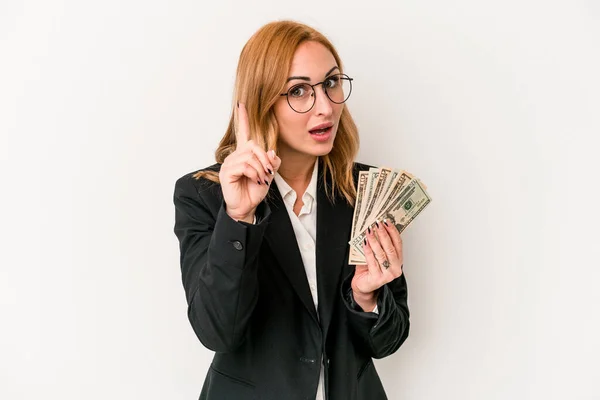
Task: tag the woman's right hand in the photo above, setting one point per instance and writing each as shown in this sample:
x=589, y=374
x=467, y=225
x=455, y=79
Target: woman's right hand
x=246, y=174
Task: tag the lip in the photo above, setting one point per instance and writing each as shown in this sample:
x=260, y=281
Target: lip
x=321, y=126
x=323, y=137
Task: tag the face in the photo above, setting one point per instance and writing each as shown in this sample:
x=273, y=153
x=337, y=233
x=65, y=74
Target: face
x=300, y=133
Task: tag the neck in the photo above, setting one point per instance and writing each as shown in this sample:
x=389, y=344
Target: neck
x=297, y=169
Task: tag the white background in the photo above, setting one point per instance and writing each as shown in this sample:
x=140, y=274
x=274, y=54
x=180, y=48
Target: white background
x=493, y=104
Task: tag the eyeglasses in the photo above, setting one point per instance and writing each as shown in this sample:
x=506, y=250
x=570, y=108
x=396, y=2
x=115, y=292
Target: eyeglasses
x=301, y=97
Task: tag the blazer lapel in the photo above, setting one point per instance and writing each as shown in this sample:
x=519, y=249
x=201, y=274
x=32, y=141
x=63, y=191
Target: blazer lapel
x=333, y=233
x=282, y=240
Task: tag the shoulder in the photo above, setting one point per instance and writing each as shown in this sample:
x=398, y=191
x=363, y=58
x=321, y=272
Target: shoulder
x=358, y=167
x=191, y=176
x=192, y=185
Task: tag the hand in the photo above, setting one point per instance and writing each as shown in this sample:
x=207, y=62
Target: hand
x=382, y=247
x=246, y=173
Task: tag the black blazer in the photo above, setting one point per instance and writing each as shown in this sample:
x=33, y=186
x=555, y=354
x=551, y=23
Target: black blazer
x=249, y=300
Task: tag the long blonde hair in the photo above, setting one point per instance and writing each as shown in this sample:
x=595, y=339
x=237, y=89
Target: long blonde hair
x=262, y=74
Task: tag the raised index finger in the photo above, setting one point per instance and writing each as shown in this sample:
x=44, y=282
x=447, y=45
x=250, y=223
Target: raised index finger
x=242, y=132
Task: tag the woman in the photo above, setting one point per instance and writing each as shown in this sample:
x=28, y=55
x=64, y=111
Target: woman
x=264, y=236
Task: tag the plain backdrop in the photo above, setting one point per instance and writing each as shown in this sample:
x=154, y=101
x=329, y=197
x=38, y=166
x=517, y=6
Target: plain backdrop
x=493, y=104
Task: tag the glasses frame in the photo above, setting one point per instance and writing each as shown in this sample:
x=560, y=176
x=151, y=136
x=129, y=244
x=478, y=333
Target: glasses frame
x=314, y=92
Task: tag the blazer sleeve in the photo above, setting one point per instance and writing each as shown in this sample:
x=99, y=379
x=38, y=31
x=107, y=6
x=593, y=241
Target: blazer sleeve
x=218, y=258
x=381, y=334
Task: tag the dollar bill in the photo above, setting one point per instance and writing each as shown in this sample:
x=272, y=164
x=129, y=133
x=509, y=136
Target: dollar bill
x=384, y=193
x=356, y=258
x=378, y=183
x=361, y=190
x=360, y=194
x=372, y=176
x=402, y=181
x=391, y=178
x=413, y=201
x=401, y=211
x=364, y=197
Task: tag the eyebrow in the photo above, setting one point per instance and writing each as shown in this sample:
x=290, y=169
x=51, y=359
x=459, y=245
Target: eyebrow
x=306, y=78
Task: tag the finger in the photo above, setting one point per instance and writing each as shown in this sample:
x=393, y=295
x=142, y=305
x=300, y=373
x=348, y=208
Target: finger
x=262, y=156
x=386, y=242
x=394, y=235
x=246, y=155
x=378, y=251
x=244, y=168
x=261, y=175
x=275, y=160
x=372, y=263
x=242, y=131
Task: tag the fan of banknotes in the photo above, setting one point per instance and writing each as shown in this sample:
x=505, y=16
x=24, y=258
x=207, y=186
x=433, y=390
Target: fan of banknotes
x=384, y=193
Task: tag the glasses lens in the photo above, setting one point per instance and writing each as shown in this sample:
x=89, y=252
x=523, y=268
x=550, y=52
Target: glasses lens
x=301, y=97
x=338, y=88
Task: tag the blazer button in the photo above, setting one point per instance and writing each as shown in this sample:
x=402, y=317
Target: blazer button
x=238, y=245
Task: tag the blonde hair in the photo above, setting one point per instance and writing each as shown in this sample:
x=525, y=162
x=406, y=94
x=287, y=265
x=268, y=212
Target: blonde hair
x=261, y=77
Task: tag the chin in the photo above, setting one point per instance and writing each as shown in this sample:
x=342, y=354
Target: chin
x=322, y=149
x=323, y=152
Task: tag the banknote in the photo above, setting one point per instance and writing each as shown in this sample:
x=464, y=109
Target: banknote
x=379, y=179
x=391, y=178
x=360, y=194
x=402, y=181
x=383, y=193
x=372, y=176
x=398, y=181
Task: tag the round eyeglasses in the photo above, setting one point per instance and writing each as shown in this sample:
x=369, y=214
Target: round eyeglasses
x=301, y=97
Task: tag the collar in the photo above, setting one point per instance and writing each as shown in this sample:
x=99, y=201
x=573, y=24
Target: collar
x=289, y=195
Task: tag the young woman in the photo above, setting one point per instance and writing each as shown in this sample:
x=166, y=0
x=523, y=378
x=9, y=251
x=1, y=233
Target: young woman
x=264, y=236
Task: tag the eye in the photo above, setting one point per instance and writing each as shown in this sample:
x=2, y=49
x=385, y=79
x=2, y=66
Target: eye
x=298, y=91
x=332, y=82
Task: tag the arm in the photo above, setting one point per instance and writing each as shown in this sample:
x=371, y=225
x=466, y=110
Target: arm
x=218, y=258
x=381, y=334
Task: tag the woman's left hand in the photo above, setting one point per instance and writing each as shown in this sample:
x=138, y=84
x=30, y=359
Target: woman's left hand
x=383, y=251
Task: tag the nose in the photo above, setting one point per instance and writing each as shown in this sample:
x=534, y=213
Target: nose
x=323, y=106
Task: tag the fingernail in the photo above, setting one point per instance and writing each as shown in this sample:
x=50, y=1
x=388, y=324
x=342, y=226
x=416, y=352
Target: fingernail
x=377, y=223
x=269, y=169
x=259, y=182
x=365, y=241
x=266, y=182
x=369, y=230
x=385, y=222
x=238, y=104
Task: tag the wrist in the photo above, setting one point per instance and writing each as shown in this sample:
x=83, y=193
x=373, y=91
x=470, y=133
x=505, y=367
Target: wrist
x=366, y=301
x=249, y=218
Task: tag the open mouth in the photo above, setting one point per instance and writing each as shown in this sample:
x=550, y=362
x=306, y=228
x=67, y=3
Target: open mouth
x=322, y=135
x=322, y=131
